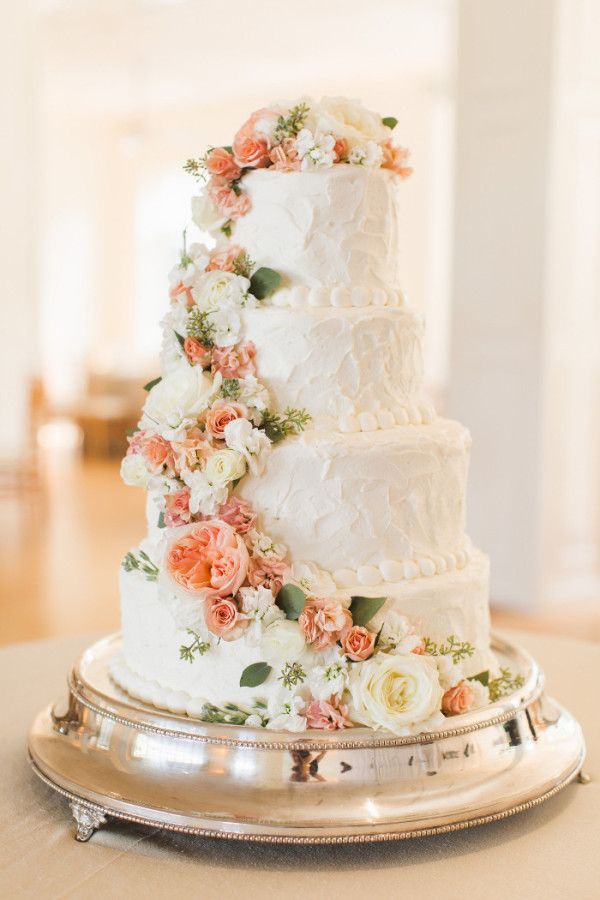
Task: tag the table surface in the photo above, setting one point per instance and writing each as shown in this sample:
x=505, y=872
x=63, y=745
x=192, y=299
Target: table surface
x=552, y=851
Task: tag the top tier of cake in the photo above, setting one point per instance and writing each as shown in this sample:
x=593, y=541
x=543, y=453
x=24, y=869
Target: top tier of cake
x=328, y=229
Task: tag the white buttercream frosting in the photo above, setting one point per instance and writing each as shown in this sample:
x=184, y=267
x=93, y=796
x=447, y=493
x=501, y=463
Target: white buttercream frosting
x=327, y=227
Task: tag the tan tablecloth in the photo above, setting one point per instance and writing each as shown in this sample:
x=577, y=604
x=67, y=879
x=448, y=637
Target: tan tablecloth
x=549, y=852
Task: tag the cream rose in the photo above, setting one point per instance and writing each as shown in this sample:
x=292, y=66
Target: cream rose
x=347, y=120
x=133, y=470
x=395, y=692
x=225, y=466
x=178, y=398
x=205, y=214
x=211, y=290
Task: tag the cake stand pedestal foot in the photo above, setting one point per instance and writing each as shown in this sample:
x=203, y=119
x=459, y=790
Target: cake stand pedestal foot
x=584, y=778
x=87, y=820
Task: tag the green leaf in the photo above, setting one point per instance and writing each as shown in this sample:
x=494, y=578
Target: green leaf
x=482, y=677
x=362, y=609
x=153, y=383
x=390, y=121
x=229, y=149
x=161, y=520
x=264, y=282
x=255, y=674
x=291, y=600
x=180, y=339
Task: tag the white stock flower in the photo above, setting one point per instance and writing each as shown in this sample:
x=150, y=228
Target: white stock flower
x=226, y=326
x=182, y=274
x=262, y=545
x=254, y=395
x=225, y=466
x=133, y=470
x=282, y=642
x=205, y=214
x=258, y=605
x=315, y=150
x=324, y=681
x=449, y=673
x=347, y=119
x=205, y=498
x=397, y=633
x=286, y=714
x=313, y=580
x=178, y=399
x=481, y=695
x=369, y=154
x=212, y=290
x=396, y=692
x=252, y=443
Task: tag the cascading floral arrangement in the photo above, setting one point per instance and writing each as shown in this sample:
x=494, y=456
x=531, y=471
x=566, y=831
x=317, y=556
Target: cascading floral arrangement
x=207, y=423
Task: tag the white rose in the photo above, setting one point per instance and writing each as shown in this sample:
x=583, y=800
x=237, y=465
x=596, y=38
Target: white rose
x=212, y=290
x=395, y=692
x=312, y=579
x=178, y=398
x=283, y=642
x=133, y=470
x=347, y=119
x=226, y=326
x=205, y=498
x=252, y=443
x=205, y=214
x=225, y=466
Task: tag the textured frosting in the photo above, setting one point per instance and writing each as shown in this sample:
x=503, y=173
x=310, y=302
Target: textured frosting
x=349, y=500
x=154, y=628
x=329, y=227
x=353, y=369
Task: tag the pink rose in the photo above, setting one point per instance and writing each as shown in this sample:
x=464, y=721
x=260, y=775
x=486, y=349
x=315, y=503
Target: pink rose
x=340, y=148
x=395, y=158
x=358, y=644
x=178, y=291
x=197, y=354
x=252, y=143
x=267, y=572
x=457, y=699
x=239, y=514
x=222, y=618
x=327, y=714
x=223, y=260
x=208, y=560
x=234, y=363
x=220, y=161
x=177, y=510
x=192, y=452
x=221, y=414
x=229, y=204
x=324, y=621
x=285, y=156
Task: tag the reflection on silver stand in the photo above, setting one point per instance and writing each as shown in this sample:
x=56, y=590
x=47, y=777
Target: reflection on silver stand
x=114, y=757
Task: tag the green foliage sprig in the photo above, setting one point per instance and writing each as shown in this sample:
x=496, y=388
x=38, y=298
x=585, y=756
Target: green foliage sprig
x=504, y=684
x=197, y=647
x=243, y=265
x=196, y=168
x=458, y=650
x=140, y=563
x=277, y=427
x=292, y=674
x=230, y=389
x=290, y=125
x=199, y=326
x=228, y=714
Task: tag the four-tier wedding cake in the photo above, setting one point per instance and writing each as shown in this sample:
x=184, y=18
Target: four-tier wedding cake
x=306, y=563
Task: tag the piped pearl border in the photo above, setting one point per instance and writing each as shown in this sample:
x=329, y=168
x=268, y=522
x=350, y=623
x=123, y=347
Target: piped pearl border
x=416, y=414
x=393, y=571
x=340, y=296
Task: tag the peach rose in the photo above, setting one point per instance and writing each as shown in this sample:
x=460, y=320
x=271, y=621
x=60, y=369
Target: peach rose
x=236, y=363
x=340, y=148
x=157, y=453
x=137, y=440
x=229, y=204
x=358, y=644
x=177, y=511
x=395, y=158
x=197, y=354
x=223, y=260
x=220, y=161
x=324, y=621
x=457, y=699
x=263, y=571
x=192, y=452
x=223, y=619
x=178, y=291
x=285, y=156
x=221, y=414
x=239, y=514
x=419, y=649
x=208, y=560
x=253, y=141
x=327, y=714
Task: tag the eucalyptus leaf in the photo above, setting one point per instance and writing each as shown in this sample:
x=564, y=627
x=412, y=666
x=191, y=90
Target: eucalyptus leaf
x=153, y=383
x=180, y=339
x=291, y=600
x=390, y=121
x=161, y=520
x=362, y=609
x=482, y=677
x=264, y=282
x=255, y=674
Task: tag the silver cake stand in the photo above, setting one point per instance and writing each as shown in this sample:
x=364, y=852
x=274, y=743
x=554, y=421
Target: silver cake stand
x=113, y=757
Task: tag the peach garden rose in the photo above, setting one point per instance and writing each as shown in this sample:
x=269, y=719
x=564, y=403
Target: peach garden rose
x=207, y=560
x=324, y=621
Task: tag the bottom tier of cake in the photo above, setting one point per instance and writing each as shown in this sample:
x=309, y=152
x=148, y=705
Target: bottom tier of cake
x=171, y=661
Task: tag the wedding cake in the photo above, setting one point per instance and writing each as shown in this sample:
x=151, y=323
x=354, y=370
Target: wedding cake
x=306, y=563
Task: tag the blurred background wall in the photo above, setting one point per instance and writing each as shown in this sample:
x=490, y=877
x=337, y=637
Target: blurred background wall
x=103, y=100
